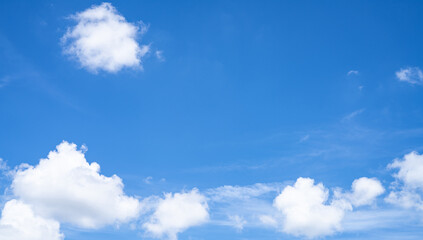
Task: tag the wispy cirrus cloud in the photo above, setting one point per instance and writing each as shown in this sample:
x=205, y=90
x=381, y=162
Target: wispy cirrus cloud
x=352, y=115
x=412, y=75
x=352, y=72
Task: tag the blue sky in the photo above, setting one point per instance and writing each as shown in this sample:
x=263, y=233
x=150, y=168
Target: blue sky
x=226, y=93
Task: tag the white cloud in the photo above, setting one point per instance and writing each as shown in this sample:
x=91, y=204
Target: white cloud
x=408, y=188
x=237, y=222
x=103, y=40
x=148, y=179
x=305, y=138
x=305, y=210
x=411, y=75
x=405, y=198
x=352, y=72
x=159, y=55
x=18, y=222
x=67, y=188
x=229, y=193
x=177, y=212
x=244, y=205
x=268, y=220
x=353, y=114
x=308, y=212
x=364, y=191
x=410, y=170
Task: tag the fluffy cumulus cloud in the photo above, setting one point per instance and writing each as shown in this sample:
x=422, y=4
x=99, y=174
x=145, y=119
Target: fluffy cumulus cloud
x=103, y=40
x=65, y=187
x=411, y=75
x=177, y=212
x=18, y=222
x=307, y=211
x=364, y=191
x=407, y=190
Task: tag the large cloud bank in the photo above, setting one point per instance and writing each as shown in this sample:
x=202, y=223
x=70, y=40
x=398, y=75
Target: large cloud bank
x=66, y=188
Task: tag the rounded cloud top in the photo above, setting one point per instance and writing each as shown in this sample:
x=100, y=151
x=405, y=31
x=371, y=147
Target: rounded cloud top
x=103, y=40
x=66, y=187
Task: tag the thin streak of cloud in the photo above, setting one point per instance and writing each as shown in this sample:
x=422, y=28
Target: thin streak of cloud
x=353, y=115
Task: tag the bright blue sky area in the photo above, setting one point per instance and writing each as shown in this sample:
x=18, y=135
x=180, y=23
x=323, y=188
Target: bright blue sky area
x=249, y=91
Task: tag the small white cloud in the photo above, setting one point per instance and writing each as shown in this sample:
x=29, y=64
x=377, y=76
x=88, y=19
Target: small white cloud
x=305, y=138
x=237, y=222
x=364, y=191
x=412, y=75
x=268, y=220
x=18, y=222
x=67, y=188
x=103, y=40
x=352, y=72
x=353, y=114
x=177, y=212
x=3, y=165
x=159, y=55
x=148, y=179
x=408, y=188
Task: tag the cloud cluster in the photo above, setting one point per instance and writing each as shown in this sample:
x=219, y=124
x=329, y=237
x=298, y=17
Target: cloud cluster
x=63, y=188
x=408, y=187
x=66, y=188
x=307, y=211
x=177, y=212
x=103, y=40
x=412, y=75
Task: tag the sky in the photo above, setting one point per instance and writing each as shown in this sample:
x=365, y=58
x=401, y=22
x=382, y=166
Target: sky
x=201, y=120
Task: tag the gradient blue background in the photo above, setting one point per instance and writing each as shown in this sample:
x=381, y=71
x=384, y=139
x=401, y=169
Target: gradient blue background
x=242, y=85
